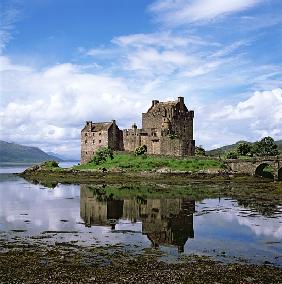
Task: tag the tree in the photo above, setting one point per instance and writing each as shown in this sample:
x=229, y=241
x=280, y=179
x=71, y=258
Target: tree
x=255, y=150
x=232, y=155
x=244, y=149
x=102, y=154
x=200, y=151
x=140, y=150
x=265, y=147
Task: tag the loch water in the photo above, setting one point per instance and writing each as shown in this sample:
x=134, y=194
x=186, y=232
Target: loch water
x=101, y=215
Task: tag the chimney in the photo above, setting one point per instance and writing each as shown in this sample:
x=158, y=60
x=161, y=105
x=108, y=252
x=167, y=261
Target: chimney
x=89, y=124
x=155, y=102
x=134, y=127
x=181, y=100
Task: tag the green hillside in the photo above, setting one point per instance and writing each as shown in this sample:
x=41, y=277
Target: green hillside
x=16, y=153
x=279, y=144
x=227, y=148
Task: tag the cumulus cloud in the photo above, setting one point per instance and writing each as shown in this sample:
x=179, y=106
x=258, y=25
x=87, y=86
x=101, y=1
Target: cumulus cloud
x=53, y=103
x=253, y=118
x=192, y=11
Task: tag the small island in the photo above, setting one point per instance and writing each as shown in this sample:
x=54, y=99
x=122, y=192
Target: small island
x=163, y=149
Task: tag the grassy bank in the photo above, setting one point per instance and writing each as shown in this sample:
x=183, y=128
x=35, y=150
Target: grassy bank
x=149, y=163
x=127, y=168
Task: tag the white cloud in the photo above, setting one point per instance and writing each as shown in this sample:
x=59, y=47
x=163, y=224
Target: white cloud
x=154, y=54
x=179, y=12
x=152, y=61
x=161, y=39
x=258, y=116
x=50, y=106
x=9, y=14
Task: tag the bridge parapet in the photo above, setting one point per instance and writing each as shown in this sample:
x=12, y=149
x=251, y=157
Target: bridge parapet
x=257, y=159
x=251, y=165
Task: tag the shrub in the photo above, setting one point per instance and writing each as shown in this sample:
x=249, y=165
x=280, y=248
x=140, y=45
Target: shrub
x=50, y=164
x=101, y=155
x=142, y=150
x=232, y=155
x=200, y=151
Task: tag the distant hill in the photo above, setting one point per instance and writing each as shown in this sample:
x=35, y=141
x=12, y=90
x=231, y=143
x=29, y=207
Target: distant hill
x=279, y=144
x=63, y=157
x=227, y=148
x=57, y=155
x=16, y=153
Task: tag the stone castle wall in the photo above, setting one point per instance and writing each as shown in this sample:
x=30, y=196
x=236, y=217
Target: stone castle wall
x=167, y=129
x=115, y=138
x=91, y=141
x=97, y=135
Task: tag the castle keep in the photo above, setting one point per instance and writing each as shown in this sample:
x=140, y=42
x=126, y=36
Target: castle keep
x=167, y=129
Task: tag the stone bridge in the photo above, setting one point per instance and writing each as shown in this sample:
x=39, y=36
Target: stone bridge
x=256, y=166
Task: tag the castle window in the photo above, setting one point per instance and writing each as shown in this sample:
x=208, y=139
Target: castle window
x=99, y=133
x=93, y=141
x=100, y=141
x=85, y=134
x=85, y=152
x=85, y=141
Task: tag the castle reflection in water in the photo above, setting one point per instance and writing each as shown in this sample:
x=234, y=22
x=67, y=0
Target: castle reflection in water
x=164, y=221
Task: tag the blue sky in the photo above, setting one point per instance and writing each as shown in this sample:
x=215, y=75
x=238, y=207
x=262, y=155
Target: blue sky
x=64, y=62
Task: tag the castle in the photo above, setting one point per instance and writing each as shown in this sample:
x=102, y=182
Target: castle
x=167, y=129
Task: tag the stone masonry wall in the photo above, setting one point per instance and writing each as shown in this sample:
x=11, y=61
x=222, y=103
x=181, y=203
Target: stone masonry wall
x=115, y=138
x=167, y=129
x=90, y=142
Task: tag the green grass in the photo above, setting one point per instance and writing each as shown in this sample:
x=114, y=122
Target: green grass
x=148, y=163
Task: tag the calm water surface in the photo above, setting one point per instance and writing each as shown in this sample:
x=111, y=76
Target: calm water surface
x=79, y=213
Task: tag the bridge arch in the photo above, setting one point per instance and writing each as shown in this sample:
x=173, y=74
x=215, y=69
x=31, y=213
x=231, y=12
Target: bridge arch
x=262, y=170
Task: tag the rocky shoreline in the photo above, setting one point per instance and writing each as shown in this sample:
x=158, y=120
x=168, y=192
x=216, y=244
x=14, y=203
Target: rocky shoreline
x=66, y=263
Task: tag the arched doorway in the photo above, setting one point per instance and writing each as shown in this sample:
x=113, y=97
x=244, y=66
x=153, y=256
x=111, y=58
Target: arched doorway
x=265, y=170
x=280, y=174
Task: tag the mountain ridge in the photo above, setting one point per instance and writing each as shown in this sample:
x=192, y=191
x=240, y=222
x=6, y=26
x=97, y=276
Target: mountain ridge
x=17, y=153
